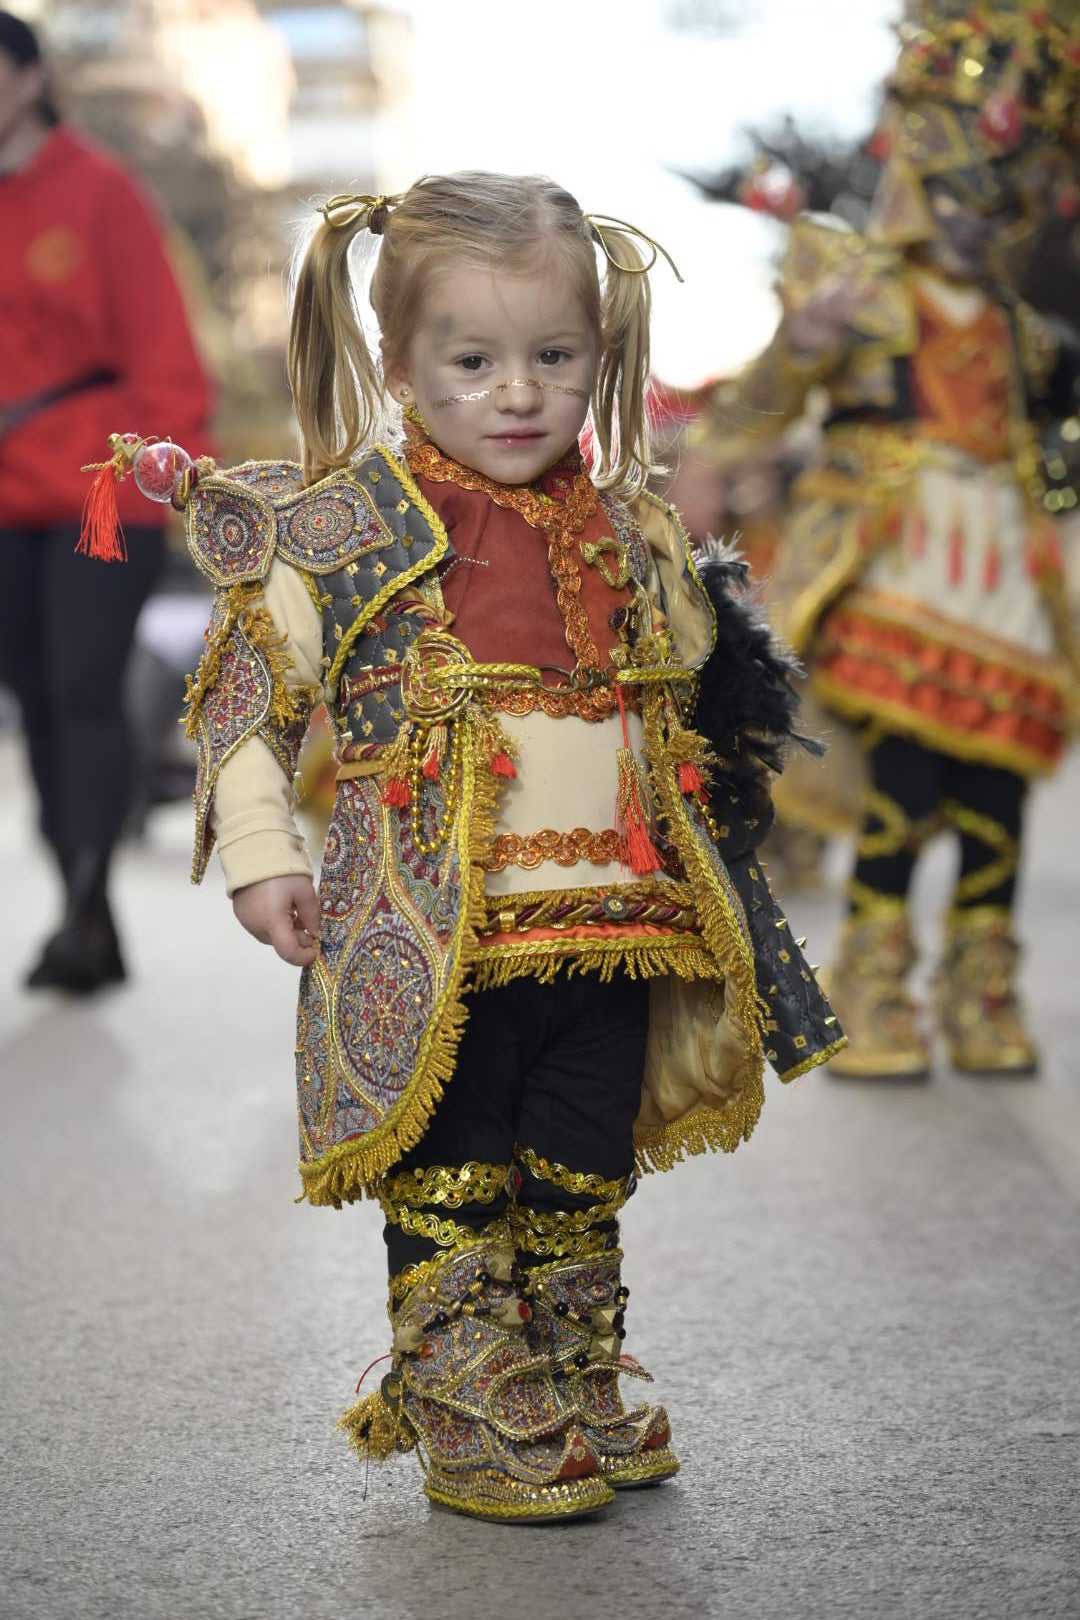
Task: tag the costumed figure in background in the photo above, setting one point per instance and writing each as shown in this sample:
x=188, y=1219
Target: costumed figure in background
x=920, y=578
x=93, y=330
x=543, y=957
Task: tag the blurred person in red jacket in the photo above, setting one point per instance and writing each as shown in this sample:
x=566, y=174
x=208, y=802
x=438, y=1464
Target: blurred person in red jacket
x=93, y=334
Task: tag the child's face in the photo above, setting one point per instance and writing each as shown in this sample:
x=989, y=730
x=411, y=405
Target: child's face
x=522, y=346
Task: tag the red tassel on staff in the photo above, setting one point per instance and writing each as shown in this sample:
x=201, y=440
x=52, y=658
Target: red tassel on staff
x=992, y=565
x=101, y=536
x=503, y=765
x=956, y=554
x=918, y=534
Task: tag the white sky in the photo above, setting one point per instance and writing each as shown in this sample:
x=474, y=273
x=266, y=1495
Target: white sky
x=603, y=96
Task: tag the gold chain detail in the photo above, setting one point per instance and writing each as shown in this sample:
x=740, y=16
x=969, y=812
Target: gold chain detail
x=471, y=1183
x=871, y=904
x=403, y=1282
x=589, y=1245
x=573, y=1181
x=564, y=848
x=447, y=1234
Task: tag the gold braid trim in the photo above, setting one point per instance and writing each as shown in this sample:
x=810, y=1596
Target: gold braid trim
x=648, y=957
x=447, y=1234
x=897, y=831
x=1003, y=848
x=573, y=1181
x=536, y=1233
x=471, y=1183
x=814, y=1060
x=353, y=1168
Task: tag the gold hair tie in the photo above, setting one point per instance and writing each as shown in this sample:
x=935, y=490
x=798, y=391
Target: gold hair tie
x=351, y=208
x=596, y=224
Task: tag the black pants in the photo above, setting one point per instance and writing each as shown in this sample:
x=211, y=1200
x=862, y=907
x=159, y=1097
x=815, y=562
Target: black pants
x=984, y=803
x=553, y=1067
x=67, y=624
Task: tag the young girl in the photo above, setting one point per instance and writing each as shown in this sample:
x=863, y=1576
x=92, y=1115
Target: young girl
x=541, y=957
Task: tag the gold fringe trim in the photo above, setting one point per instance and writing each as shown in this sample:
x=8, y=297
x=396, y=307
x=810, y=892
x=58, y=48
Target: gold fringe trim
x=375, y=1429
x=705, y=1130
x=814, y=1060
x=353, y=1169
x=544, y=960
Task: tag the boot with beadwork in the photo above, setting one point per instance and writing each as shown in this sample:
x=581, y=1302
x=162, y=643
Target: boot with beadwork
x=469, y=1391
x=867, y=986
x=572, y=1280
x=979, y=1011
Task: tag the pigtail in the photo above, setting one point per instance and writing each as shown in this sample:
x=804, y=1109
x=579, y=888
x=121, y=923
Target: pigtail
x=619, y=409
x=336, y=385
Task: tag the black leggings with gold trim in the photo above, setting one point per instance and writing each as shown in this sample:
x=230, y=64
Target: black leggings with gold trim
x=555, y=1068
x=915, y=791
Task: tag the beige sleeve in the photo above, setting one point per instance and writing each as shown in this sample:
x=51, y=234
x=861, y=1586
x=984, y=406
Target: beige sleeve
x=254, y=811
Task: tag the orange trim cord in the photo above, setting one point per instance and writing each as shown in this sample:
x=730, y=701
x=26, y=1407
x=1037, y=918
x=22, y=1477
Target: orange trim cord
x=980, y=700
x=564, y=848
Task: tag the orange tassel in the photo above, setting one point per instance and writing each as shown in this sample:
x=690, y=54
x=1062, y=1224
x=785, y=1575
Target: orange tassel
x=689, y=777
x=636, y=848
x=503, y=765
x=397, y=792
x=101, y=535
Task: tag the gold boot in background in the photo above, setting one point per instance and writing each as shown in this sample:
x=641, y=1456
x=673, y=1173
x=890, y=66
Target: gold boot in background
x=978, y=1008
x=867, y=987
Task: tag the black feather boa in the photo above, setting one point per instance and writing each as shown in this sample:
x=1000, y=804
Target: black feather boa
x=747, y=702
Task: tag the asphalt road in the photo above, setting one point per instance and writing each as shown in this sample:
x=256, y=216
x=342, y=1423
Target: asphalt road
x=866, y=1324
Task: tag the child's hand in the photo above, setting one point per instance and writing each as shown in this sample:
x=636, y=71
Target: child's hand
x=282, y=912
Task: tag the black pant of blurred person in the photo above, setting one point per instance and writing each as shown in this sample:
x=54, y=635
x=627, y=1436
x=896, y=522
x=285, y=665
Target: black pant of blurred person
x=67, y=627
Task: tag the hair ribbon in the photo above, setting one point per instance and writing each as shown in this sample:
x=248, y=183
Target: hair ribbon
x=351, y=208
x=597, y=224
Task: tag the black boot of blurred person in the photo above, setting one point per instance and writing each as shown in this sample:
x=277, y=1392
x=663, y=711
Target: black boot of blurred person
x=83, y=955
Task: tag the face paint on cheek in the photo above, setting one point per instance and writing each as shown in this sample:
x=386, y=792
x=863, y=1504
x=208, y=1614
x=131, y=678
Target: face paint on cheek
x=515, y=382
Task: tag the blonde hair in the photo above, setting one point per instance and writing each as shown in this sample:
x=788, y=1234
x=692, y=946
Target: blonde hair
x=494, y=221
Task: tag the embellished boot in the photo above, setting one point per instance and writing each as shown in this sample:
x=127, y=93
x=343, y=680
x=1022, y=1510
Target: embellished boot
x=571, y=1278
x=978, y=1008
x=866, y=986
x=467, y=1389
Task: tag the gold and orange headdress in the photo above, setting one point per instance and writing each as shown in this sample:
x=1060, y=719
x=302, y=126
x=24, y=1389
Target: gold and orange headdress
x=987, y=94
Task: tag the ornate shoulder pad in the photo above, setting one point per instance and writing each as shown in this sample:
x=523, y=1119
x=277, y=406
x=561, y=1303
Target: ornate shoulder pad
x=372, y=506
x=231, y=529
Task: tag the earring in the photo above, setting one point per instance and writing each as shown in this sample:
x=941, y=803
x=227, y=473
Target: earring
x=403, y=393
